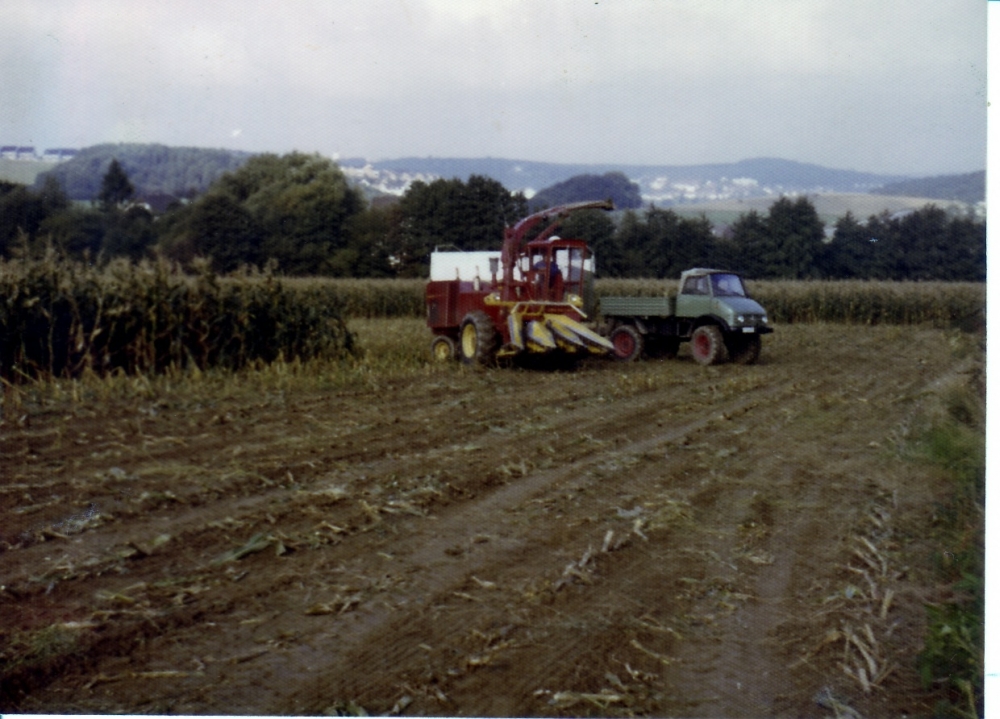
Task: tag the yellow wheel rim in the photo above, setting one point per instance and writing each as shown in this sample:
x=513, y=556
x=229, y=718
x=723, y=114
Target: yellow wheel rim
x=469, y=340
x=442, y=352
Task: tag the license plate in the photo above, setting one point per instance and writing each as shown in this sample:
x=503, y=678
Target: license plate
x=747, y=329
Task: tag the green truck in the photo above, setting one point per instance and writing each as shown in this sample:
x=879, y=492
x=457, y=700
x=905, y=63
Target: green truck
x=711, y=310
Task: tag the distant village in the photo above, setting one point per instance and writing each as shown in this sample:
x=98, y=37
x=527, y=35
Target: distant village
x=30, y=154
x=654, y=188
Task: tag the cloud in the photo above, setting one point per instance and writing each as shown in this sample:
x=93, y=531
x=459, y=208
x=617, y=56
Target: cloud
x=627, y=81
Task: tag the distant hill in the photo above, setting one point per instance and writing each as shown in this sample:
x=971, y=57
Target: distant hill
x=159, y=169
x=662, y=184
x=152, y=169
x=970, y=187
x=614, y=186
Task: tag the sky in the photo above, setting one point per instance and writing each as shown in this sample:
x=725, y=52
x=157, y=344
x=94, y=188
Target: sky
x=893, y=86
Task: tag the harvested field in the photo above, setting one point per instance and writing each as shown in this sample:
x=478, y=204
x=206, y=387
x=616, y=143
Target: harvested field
x=657, y=538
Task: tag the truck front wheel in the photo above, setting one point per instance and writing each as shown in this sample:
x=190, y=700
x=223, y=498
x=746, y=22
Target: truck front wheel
x=477, y=339
x=627, y=342
x=708, y=346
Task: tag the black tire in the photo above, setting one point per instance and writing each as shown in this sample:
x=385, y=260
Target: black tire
x=745, y=349
x=708, y=346
x=627, y=342
x=443, y=349
x=477, y=339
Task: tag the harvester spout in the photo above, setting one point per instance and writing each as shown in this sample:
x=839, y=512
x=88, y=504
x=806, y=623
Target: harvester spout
x=514, y=237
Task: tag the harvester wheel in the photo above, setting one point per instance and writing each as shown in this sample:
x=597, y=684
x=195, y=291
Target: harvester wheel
x=442, y=348
x=627, y=342
x=707, y=345
x=745, y=349
x=477, y=339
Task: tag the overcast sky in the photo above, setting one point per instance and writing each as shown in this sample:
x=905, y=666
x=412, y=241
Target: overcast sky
x=890, y=86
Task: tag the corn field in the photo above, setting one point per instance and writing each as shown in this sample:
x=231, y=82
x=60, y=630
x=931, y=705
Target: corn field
x=959, y=305
x=63, y=319
x=367, y=298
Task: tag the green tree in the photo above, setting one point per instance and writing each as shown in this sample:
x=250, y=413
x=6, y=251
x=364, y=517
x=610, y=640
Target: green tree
x=116, y=188
x=368, y=252
x=52, y=196
x=632, y=239
x=967, y=249
x=469, y=216
x=127, y=234
x=678, y=243
x=795, y=236
x=75, y=231
x=21, y=213
x=924, y=238
x=226, y=231
x=887, y=252
x=851, y=252
x=751, y=240
x=598, y=229
x=294, y=209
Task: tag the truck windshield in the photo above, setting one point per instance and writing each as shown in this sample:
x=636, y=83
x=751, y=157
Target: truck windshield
x=727, y=285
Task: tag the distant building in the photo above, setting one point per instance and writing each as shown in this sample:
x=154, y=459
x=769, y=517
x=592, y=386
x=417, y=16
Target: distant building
x=58, y=154
x=8, y=152
x=26, y=152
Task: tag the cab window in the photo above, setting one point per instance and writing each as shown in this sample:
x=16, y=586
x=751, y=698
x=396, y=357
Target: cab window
x=697, y=285
x=727, y=285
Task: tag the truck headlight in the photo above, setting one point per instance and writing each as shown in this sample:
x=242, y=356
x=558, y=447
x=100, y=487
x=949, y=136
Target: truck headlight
x=740, y=319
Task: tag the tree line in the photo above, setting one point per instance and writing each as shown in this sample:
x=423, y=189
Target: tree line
x=300, y=214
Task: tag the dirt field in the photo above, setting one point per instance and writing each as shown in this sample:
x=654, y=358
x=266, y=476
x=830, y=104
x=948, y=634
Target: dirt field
x=654, y=538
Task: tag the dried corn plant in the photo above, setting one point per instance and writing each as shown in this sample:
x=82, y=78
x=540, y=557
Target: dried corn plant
x=60, y=318
x=859, y=611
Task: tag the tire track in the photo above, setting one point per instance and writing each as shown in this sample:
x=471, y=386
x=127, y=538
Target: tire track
x=430, y=573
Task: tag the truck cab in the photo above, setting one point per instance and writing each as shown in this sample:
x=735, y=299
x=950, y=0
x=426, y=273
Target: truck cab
x=722, y=296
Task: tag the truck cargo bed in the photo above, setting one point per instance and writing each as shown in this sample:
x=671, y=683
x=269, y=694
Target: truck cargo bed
x=638, y=306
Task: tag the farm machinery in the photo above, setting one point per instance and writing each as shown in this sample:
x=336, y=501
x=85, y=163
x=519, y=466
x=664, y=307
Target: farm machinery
x=712, y=310
x=538, y=299
x=535, y=299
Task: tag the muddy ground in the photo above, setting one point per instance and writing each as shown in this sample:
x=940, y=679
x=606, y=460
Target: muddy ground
x=653, y=538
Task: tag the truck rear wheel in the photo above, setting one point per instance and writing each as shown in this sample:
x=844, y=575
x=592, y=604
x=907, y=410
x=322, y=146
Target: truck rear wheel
x=477, y=340
x=627, y=342
x=707, y=345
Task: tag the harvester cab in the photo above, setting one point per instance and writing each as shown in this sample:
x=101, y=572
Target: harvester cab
x=535, y=299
